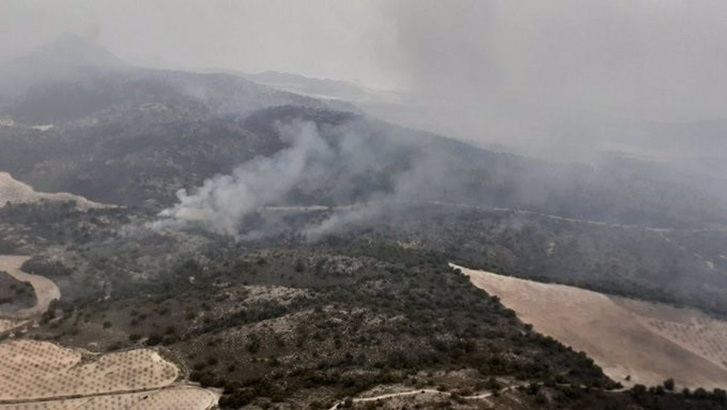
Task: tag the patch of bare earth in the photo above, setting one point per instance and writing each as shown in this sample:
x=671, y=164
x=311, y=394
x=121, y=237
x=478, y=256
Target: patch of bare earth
x=650, y=342
x=688, y=328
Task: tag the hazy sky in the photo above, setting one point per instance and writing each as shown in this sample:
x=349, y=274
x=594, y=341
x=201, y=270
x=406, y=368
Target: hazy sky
x=622, y=60
x=336, y=39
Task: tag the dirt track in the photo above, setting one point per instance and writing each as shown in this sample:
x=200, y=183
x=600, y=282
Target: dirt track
x=620, y=337
x=45, y=290
x=416, y=392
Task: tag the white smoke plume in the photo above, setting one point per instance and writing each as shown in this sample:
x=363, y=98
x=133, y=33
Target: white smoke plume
x=325, y=167
x=222, y=201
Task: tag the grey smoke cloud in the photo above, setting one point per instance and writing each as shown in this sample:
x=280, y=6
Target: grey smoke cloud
x=560, y=78
x=349, y=164
x=555, y=79
x=334, y=177
x=222, y=202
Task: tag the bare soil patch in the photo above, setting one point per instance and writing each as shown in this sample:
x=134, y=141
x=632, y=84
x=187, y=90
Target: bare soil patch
x=649, y=342
x=686, y=327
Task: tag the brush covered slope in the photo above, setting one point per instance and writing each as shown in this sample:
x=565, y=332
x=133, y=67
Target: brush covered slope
x=284, y=322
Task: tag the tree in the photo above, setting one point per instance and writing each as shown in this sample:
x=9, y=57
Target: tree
x=638, y=390
x=153, y=340
x=669, y=384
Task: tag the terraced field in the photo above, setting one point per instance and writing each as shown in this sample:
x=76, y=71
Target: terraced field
x=633, y=341
x=42, y=375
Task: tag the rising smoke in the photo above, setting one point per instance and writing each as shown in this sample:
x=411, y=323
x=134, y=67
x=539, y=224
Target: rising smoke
x=222, y=202
x=351, y=171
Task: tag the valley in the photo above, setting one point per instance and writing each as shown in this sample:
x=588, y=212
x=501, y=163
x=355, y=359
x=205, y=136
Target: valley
x=173, y=239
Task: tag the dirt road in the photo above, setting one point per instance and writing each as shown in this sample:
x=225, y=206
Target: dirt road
x=45, y=290
x=386, y=396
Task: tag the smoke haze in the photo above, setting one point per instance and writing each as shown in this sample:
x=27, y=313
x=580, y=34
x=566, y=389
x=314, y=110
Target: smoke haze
x=223, y=201
x=564, y=80
x=660, y=60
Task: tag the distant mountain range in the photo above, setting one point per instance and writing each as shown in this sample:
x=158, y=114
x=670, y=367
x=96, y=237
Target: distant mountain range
x=73, y=79
x=697, y=148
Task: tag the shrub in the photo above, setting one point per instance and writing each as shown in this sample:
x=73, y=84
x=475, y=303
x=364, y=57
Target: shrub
x=153, y=340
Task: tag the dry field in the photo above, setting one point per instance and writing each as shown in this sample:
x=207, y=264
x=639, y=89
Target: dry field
x=688, y=328
x=42, y=375
x=650, y=342
x=14, y=191
x=45, y=290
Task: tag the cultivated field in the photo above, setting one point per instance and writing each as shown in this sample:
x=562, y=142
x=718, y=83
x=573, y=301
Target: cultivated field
x=42, y=375
x=649, y=342
x=169, y=398
x=41, y=370
x=14, y=191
